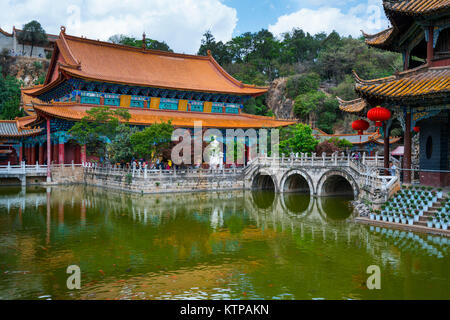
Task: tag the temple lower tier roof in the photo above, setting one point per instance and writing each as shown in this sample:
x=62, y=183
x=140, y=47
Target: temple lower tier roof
x=357, y=139
x=352, y=106
x=183, y=119
x=422, y=82
x=17, y=128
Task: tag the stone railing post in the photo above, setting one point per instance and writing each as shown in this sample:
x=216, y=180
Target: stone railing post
x=37, y=166
x=323, y=158
x=348, y=159
x=335, y=158
x=145, y=172
x=9, y=166
x=376, y=159
x=312, y=158
x=174, y=171
x=364, y=158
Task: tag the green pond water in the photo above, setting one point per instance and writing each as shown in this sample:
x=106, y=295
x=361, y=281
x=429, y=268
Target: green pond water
x=228, y=245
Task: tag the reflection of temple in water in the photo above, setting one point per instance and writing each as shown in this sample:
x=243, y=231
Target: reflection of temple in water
x=321, y=218
x=194, y=231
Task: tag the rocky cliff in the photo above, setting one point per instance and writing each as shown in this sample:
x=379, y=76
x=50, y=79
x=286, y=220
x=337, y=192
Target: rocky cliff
x=281, y=106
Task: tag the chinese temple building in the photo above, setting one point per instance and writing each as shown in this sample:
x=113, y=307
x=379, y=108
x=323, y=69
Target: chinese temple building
x=419, y=95
x=153, y=85
x=369, y=142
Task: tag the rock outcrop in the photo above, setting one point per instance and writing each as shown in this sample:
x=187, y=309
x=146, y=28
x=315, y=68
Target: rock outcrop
x=281, y=106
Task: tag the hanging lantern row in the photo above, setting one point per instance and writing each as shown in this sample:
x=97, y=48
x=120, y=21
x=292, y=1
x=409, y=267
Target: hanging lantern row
x=360, y=125
x=416, y=129
x=378, y=114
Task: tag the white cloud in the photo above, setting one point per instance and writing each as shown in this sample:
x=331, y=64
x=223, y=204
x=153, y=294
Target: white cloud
x=181, y=23
x=368, y=17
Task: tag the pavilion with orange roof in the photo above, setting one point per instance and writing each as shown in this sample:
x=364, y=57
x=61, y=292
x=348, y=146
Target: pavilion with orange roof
x=418, y=96
x=153, y=85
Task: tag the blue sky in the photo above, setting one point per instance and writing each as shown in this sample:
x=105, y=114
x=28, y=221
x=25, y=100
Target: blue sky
x=181, y=23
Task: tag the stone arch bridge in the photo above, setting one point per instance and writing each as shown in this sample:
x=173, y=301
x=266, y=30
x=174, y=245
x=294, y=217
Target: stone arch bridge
x=321, y=176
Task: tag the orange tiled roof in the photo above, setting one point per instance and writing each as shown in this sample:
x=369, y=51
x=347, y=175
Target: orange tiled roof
x=185, y=119
x=419, y=82
x=352, y=106
x=108, y=62
x=416, y=7
x=379, y=39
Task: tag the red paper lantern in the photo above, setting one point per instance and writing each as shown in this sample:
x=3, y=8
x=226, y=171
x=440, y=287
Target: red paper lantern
x=360, y=126
x=378, y=114
x=416, y=129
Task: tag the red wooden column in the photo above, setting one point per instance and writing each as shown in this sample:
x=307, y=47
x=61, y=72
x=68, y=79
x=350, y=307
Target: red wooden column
x=386, y=148
x=407, y=151
x=49, y=151
x=33, y=154
x=41, y=153
x=61, y=152
x=83, y=153
x=27, y=154
x=21, y=153
x=430, y=49
x=55, y=153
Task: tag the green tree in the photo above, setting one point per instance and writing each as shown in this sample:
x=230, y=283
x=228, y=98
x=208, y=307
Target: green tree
x=152, y=141
x=120, y=149
x=9, y=98
x=99, y=127
x=133, y=42
x=34, y=34
x=257, y=106
x=297, y=138
x=301, y=84
x=218, y=50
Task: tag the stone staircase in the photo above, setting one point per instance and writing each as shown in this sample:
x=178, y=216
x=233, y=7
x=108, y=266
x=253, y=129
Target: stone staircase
x=431, y=211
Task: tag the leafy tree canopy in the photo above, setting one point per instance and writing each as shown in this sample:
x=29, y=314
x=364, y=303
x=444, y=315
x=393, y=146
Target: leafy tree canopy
x=100, y=124
x=34, y=34
x=130, y=41
x=152, y=141
x=9, y=98
x=297, y=138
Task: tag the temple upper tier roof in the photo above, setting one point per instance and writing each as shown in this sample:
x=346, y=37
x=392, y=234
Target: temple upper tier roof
x=416, y=7
x=406, y=17
x=422, y=82
x=107, y=62
x=184, y=119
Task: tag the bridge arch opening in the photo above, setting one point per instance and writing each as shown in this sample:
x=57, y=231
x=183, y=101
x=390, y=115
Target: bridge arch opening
x=337, y=185
x=263, y=182
x=296, y=183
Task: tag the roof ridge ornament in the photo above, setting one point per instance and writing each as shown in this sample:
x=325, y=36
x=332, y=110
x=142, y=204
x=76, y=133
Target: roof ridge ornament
x=143, y=41
x=63, y=29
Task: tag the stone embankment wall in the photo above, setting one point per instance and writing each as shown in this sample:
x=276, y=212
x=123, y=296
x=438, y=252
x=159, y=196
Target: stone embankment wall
x=152, y=184
x=67, y=175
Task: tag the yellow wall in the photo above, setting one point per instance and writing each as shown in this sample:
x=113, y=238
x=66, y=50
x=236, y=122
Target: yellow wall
x=207, y=107
x=125, y=100
x=154, y=103
x=182, y=105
